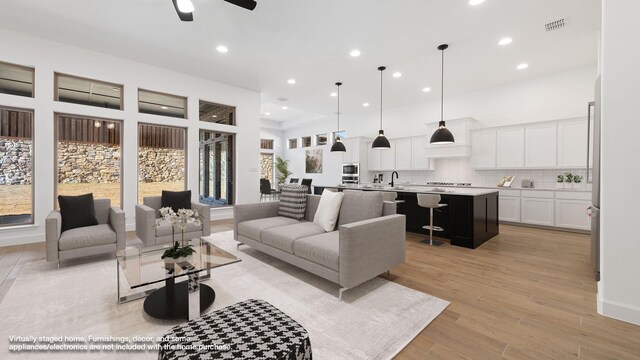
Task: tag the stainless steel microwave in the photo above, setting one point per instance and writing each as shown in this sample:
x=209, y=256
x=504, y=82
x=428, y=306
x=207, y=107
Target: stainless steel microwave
x=351, y=169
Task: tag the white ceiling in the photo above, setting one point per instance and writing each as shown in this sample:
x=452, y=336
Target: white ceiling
x=310, y=40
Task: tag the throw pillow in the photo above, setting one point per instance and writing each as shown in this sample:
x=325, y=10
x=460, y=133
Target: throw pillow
x=77, y=211
x=328, y=209
x=176, y=199
x=360, y=205
x=293, y=201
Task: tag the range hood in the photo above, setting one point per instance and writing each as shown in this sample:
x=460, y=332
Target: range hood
x=461, y=130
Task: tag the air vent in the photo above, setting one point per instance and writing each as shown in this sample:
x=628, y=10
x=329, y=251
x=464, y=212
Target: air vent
x=282, y=98
x=555, y=25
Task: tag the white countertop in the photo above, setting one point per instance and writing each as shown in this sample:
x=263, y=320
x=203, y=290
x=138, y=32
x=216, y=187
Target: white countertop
x=410, y=185
x=465, y=191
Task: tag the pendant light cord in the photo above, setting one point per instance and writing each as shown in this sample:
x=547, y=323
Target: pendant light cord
x=442, y=89
x=338, y=109
x=381, y=98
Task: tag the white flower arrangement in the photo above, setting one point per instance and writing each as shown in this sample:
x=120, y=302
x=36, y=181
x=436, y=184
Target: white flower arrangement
x=181, y=218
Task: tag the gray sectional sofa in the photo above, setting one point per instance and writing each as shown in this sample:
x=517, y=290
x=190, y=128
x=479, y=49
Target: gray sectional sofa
x=369, y=239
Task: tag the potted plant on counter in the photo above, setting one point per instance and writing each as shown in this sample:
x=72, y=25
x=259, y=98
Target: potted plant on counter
x=560, y=182
x=568, y=179
x=577, y=181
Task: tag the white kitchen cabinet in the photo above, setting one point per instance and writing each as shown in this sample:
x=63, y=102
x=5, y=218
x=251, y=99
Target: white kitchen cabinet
x=509, y=208
x=537, y=207
x=403, y=154
x=572, y=143
x=419, y=160
x=572, y=214
x=540, y=145
x=388, y=157
x=352, y=152
x=510, y=147
x=373, y=158
x=483, y=149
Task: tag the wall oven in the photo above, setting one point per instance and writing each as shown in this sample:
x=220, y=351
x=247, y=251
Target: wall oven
x=351, y=173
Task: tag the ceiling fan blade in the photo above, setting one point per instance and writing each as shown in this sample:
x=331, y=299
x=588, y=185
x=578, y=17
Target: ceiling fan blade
x=247, y=4
x=181, y=15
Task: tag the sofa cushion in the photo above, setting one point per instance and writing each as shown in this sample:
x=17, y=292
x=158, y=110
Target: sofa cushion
x=87, y=236
x=163, y=228
x=253, y=228
x=293, y=201
x=328, y=209
x=360, y=205
x=283, y=237
x=77, y=211
x=322, y=249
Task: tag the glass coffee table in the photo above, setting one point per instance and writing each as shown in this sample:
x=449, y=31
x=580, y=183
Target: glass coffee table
x=141, y=268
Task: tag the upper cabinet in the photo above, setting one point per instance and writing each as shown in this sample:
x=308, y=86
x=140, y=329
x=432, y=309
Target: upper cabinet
x=540, y=145
x=352, y=154
x=483, y=149
x=404, y=154
x=461, y=130
x=373, y=158
x=419, y=159
x=388, y=157
x=510, y=147
x=572, y=143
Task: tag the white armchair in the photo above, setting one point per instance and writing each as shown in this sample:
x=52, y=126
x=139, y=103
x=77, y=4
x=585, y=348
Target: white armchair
x=148, y=215
x=107, y=236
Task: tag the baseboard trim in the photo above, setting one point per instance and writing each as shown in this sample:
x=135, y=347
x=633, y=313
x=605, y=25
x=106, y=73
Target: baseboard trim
x=22, y=240
x=619, y=311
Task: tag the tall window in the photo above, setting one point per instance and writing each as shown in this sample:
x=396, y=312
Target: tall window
x=89, y=157
x=216, y=168
x=266, y=166
x=16, y=166
x=161, y=159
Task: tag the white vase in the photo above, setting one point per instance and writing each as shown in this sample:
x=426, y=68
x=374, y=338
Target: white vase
x=560, y=185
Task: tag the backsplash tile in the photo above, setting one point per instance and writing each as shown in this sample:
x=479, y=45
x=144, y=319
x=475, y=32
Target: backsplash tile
x=460, y=170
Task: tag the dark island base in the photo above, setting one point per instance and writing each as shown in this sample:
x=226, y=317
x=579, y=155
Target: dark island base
x=468, y=221
x=161, y=306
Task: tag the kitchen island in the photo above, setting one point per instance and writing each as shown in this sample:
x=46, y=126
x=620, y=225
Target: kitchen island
x=470, y=219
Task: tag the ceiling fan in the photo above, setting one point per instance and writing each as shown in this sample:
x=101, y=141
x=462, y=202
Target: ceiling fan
x=185, y=8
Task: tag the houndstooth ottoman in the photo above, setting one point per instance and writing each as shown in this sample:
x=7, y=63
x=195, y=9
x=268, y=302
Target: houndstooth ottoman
x=251, y=329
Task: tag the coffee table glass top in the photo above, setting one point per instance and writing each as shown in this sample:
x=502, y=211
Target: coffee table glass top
x=143, y=266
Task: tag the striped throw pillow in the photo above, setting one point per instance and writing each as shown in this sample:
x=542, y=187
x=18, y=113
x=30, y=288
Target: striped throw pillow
x=293, y=201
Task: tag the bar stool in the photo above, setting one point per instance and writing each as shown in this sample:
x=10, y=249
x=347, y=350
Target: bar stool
x=389, y=195
x=431, y=201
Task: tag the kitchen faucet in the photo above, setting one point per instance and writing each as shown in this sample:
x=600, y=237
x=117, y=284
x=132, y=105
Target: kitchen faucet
x=395, y=172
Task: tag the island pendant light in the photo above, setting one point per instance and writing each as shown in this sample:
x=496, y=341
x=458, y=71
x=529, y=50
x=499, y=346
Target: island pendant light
x=338, y=146
x=442, y=135
x=381, y=142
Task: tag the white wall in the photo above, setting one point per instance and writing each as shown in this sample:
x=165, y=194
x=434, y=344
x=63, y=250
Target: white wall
x=619, y=288
x=552, y=97
x=48, y=56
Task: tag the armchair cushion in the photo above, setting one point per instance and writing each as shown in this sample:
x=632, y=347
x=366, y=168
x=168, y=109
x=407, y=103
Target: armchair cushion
x=77, y=211
x=86, y=237
x=176, y=199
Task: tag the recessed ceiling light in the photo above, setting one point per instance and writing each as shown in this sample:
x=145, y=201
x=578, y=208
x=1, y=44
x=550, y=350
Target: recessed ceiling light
x=214, y=116
x=291, y=81
x=115, y=89
x=475, y=2
x=365, y=104
x=505, y=41
x=355, y=53
x=397, y=74
x=522, y=66
x=427, y=89
x=334, y=94
x=284, y=108
x=222, y=49
x=163, y=107
x=267, y=113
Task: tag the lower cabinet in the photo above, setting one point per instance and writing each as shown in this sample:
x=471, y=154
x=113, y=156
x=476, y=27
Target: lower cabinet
x=537, y=211
x=572, y=214
x=509, y=208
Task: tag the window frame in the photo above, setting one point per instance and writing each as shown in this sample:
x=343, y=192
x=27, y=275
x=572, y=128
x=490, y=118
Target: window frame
x=289, y=143
x=33, y=79
x=233, y=167
x=326, y=139
x=235, y=118
x=186, y=102
x=302, y=141
x=56, y=89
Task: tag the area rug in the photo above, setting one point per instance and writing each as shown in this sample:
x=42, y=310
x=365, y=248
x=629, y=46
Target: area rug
x=373, y=321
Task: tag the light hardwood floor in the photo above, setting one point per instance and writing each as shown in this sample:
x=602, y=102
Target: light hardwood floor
x=526, y=294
